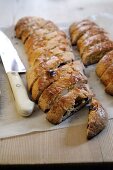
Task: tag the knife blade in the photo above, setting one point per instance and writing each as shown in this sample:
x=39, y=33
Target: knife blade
x=13, y=66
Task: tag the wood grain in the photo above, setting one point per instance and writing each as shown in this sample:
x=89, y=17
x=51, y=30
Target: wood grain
x=67, y=145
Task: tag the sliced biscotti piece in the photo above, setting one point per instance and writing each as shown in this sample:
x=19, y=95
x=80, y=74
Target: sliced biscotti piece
x=48, y=51
x=109, y=88
x=38, y=35
x=54, y=42
x=75, y=36
x=48, y=26
x=52, y=75
x=24, y=20
x=27, y=23
x=43, y=65
x=58, y=51
x=77, y=25
x=91, y=41
x=68, y=104
x=27, y=20
x=27, y=26
x=42, y=34
x=28, y=31
x=92, y=32
x=94, y=53
x=97, y=119
x=77, y=29
x=34, y=29
x=104, y=63
x=107, y=76
x=59, y=87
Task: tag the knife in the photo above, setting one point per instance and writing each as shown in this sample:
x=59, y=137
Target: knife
x=13, y=66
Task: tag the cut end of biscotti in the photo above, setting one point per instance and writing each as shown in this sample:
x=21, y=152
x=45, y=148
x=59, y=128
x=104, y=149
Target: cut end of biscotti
x=97, y=119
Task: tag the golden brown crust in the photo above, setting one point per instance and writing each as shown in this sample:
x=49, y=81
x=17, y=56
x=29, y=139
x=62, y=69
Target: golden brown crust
x=27, y=20
x=104, y=63
x=82, y=30
x=26, y=23
x=47, y=64
x=39, y=68
x=48, y=52
x=24, y=20
x=75, y=36
x=50, y=75
x=90, y=33
x=107, y=76
x=29, y=31
x=58, y=87
x=94, y=46
x=94, y=53
x=27, y=26
x=52, y=43
x=42, y=34
x=34, y=29
x=50, y=26
x=77, y=25
x=97, y=119
x=109, y=88
x=67, y=105
x=91, y=41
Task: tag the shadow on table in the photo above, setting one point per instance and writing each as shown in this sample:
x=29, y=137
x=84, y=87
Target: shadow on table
x=76, y=135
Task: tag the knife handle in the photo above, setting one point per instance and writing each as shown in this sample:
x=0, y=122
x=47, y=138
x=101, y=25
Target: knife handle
x=24, y=105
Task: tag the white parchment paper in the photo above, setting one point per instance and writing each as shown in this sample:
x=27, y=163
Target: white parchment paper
x=12, y=124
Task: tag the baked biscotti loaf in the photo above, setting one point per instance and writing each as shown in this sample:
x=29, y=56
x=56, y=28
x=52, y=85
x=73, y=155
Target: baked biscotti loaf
x=53, y=71
x=55, y=79
x=91, y=40
x=94, y=46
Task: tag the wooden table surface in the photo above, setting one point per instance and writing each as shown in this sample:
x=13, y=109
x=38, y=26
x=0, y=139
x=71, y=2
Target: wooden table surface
x=68, y=145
